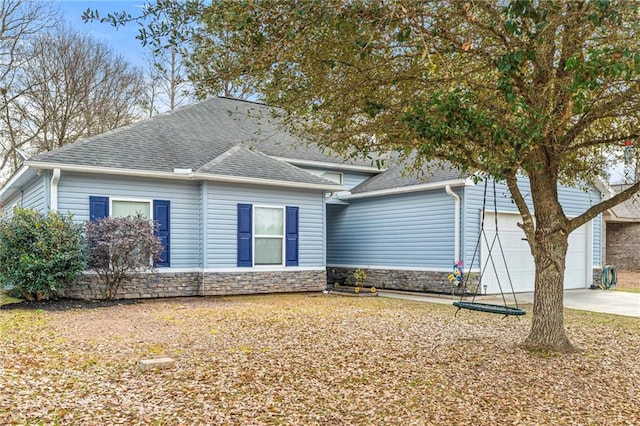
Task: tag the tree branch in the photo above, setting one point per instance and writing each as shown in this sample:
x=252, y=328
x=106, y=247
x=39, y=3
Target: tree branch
x=527, y=221
x=594, y=211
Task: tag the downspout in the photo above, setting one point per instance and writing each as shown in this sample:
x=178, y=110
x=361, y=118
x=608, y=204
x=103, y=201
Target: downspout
x=55, y=178
x=456, y=230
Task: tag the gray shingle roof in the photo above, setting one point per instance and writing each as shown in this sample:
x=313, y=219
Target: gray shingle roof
x=241, y=161
x=225, y=137
x=188, y=137
x=399, y=176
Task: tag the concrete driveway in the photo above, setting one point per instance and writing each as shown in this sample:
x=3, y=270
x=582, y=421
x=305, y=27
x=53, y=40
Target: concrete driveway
x=608, y=302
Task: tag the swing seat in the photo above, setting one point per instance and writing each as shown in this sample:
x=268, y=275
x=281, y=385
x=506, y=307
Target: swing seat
x=491, y=308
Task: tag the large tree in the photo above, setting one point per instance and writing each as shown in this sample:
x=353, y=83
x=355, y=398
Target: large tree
x=166, y=86
x=187, y=51
x=73, y=87
x=539, y=88
x=56, y=85
x=19, y=21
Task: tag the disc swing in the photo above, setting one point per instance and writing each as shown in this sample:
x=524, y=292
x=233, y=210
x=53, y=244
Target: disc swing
x=505, y=309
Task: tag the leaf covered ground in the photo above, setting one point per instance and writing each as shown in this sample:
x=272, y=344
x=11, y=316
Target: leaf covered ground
x=310, y=359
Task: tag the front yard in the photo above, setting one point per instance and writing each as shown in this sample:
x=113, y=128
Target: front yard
x=310, y=359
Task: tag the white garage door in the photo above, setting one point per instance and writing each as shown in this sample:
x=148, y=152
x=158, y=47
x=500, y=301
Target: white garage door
x=519, y=260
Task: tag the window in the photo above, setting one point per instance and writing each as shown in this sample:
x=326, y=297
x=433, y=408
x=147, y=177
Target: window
x=122, y=208
x=268, y=235
x=335, y=177
x=100, y=206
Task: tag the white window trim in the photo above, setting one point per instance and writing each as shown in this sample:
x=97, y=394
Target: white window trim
x=254, y=235
x=135, y=200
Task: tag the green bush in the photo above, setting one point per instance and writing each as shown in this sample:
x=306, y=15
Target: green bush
x=40, y=253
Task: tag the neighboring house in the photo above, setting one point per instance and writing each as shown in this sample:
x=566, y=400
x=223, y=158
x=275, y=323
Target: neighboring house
x=622, y=235
x=244, y=207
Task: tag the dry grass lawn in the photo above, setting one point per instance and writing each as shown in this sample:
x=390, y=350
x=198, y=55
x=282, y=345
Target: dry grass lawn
x=310, y=359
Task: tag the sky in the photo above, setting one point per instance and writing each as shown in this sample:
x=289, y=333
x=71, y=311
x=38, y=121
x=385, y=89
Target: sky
x=121, y=40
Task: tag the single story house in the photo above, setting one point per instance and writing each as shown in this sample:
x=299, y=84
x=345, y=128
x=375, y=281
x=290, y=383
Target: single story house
x=234, y=218
x=245, y=207
x=622, y=233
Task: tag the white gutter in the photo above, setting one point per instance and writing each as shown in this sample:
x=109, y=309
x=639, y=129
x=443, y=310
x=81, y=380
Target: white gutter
x=183, y=176
x=271, y=182
x=329, y=165
x=408, y=189
x=55, y=178
x=456, y=229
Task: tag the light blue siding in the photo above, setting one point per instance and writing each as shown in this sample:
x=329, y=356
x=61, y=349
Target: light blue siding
x=30, y=196
x=222, y=220
x=74, y=191
x=407, y=230
x=574, y=202
x=597, y=242
x=353, y=179
x=13, y=201
x=34, y=195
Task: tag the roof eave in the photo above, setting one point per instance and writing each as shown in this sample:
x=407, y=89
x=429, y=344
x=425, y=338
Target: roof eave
x=605, y=189
x=24, y=172
x=182, y=176
x=619, y=219
x=330, y=165
x=269, y=182
x=409, y=189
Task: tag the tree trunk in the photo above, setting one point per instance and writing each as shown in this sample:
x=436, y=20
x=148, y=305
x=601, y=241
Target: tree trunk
x=549, y=249
x=547, y=330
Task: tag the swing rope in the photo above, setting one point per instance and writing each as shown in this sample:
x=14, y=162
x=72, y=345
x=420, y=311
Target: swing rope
x=488, y=307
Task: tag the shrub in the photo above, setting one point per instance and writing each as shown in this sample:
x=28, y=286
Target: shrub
x=119, y=247
x=360, y=277
x=40, y=253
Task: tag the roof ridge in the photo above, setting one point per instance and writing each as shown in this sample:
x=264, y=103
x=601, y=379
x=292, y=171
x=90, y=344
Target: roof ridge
x=240, y=147
x=220, y=158
x=231, y=98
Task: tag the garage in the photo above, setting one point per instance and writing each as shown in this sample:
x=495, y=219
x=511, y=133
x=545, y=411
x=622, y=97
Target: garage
x=520, y=261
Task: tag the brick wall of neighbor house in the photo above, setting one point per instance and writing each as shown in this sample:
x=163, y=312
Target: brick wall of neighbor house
x=623, y=246
x=180, y=284
x=390, y=279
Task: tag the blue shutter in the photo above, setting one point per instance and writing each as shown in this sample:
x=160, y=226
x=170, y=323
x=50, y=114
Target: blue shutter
x=245, y=240
x=161, y=215
x=98, y=208
x=292, y=236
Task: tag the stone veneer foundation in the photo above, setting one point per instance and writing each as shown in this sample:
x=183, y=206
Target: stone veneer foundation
x=420, y=281
x=597, y=277
x=393, y=279
x=179, y=284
